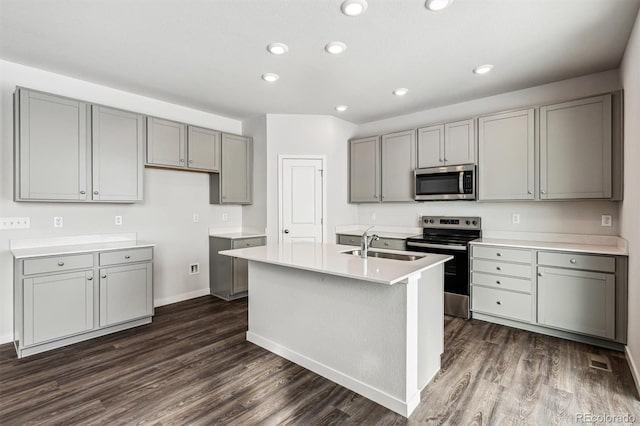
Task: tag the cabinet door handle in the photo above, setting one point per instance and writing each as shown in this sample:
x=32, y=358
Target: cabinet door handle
x=386, y=244
x=573, y=261
x=104, y=276
x=182, y=160
x=440, y=160
x=248, y=245
x=498, y=302
x=375, y=196
x=61, y=263
x=190, y=161
x=539, y=274
x=498, y=282
x=445, y=160
x=498, y=268
x=498, y=254
x=95, y=192
x=127, y=256
x=89, y=278
x=529, y=192
x=542, y=191
x=83, y=192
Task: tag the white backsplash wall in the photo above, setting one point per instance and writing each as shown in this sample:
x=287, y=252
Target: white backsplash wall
x=165, y=217
x=568, y=217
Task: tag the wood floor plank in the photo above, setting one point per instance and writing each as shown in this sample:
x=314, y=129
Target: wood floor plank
x=193, y=366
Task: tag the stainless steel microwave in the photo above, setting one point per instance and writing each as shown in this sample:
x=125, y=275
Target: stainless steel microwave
x=446, y=183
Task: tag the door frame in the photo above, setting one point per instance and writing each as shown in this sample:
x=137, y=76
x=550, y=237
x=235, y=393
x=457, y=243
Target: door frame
x=323, y=158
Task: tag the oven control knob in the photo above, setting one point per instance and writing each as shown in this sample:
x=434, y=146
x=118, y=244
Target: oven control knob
x=430, y=220
x=475, y=222
x=468, y=222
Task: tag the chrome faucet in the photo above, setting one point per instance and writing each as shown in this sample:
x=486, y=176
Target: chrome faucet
x=365, y=242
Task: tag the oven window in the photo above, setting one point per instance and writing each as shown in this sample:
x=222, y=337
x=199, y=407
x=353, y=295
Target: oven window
x=440, y=183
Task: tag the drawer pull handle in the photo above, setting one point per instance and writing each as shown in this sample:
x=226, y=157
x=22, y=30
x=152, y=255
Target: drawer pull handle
x=573, y=261
x=386, y=244
x=127, y=256
x=60, y=263
x=498, y=282
x=248, y=245
x=498, y=303
x=90, y=278
x=95, y=192
x=498, y=254
x=104, y=276
x=498, y=268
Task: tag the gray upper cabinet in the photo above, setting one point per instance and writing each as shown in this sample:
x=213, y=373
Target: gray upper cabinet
x=506, y=160
x=447, y=144
x=398, y=165
x=118, y=147
x=203, y=150
x=575, y=149
x=233, y=185
x=459, y=142
x=50, y=147
x=364, y=170
x=166, y=142
x=431, y=146
x=69, y=150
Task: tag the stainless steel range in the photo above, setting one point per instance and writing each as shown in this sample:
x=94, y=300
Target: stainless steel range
x=450, y=235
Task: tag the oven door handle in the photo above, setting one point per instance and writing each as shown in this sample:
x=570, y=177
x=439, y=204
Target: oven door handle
x=461, y=183
x=437, y=246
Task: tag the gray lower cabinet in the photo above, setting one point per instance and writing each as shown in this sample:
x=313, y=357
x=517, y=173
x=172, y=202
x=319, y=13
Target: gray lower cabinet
x=228, y=277
x=398, y=165
x=506, y=156
x=572, y=295
x=364, y=170
x=59, y=300
x=69, y=150
x=233, y=185
x=382, y=242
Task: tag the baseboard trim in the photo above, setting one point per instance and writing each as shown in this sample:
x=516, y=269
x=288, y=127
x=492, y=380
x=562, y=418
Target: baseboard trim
x=180, y=297
x=401, y=407
x=6, y=338
x=634, y=370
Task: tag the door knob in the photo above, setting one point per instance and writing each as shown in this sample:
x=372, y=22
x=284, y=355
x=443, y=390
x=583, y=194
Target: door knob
x=286, y=231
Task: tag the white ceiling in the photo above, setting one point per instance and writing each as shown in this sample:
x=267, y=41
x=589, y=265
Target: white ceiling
x=209, y=54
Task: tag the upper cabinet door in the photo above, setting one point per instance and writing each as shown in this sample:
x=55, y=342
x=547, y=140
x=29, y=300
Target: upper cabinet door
x=431, y=146
x=398, y=165
x=459, y=143
x=575, y=149
x=364, y=170
x=117, y=139
x=51, y=147
x=165, y=142
x=506, y=156
x=236, y=172
x=203, y=149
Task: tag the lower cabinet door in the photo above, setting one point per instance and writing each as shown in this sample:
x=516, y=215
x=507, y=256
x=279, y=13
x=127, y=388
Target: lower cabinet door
x=578, y=301
x=240, y=276
x=57, y=306
x=126, y=293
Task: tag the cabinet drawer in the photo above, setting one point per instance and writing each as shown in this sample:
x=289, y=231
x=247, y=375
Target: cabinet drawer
x=58, y=263
x=501, y=268
x=349, y=240
x=502, y=303
x=504, y=283
x=577, y=261
x=247, y=242
x=502, y=254
x=389, y=243
x=126, y=256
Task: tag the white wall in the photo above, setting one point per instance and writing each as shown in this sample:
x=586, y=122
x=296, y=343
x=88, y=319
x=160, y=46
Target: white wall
x=563, y=217
x=630, y=208
x=165, y=216
x=254, y=216
x=310, y=135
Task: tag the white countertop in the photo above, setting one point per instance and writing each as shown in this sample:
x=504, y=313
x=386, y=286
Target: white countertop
x=329, y=259
x=24, y=253
x=582, y=247
x=236, y=235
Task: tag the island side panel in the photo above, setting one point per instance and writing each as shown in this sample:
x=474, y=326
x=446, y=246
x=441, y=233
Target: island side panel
x=350, y=331
x=430, y=324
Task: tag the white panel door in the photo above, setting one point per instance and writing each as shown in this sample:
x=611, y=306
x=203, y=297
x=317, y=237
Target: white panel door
x=302, y=200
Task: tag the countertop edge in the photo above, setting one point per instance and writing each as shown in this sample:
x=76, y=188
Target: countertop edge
x=75, y=249
x=555, y=246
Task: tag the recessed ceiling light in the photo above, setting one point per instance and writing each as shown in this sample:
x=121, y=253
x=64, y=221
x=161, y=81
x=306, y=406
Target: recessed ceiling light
x=353, y=7
x=483, y=69
x=400, y=91
x=341, y=108
x=335, y=47
x=436, y=5
x=278, y=48
x=270, y=77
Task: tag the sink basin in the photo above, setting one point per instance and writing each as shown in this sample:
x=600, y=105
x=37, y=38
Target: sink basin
x=386, y=255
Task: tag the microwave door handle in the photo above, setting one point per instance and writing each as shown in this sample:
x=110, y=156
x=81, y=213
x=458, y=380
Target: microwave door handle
x=461, y=183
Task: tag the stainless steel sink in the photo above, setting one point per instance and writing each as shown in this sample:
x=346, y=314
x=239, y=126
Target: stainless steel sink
x=386, y=255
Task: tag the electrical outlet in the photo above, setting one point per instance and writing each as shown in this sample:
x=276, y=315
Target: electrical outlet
x=605, y=220
x=194, y=269
x=515, y=218
x=196, y=218
x=225, y=217
x=58, y=222
x=118, y=220
x=373, y=216
x=15, y=223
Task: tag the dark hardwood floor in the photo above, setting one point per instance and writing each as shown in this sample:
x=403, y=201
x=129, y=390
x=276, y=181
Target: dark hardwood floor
x=193, y=366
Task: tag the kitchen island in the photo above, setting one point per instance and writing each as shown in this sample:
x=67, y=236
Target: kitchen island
x=373, y=325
